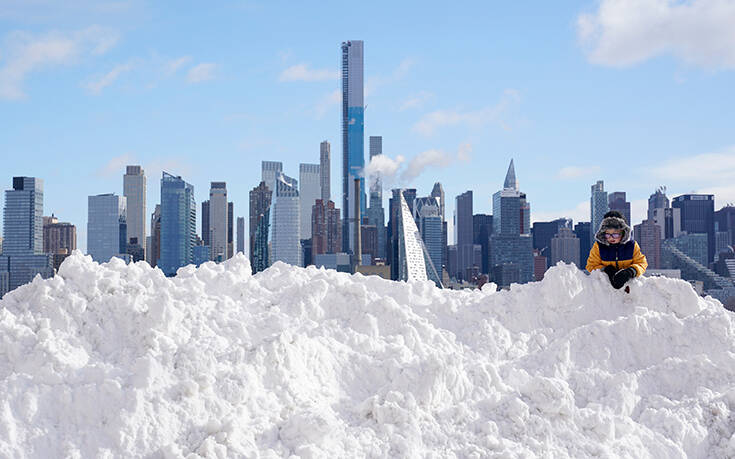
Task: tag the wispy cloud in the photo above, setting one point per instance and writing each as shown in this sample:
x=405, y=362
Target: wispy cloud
x=115, y=166
x=172, y=66
x=25, y=53
x=431, y=122
x=625, y=32
x=97, y=85
x=327, y=102
x=302, y=72
x=415, y=101
x=573, y=172
x=374, y=82
x=202, y=72
x=400, y=171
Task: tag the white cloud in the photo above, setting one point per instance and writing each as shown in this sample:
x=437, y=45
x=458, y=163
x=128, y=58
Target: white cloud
x=24, y=54
x=572, y=172
x=431, y=122
x=400, y=171
x=625, y=32
x=96, y=86
x=201, y=72
x=115, y=166
x=327, y=102
x=172, y=66
x=302, y=72
x=415, y=101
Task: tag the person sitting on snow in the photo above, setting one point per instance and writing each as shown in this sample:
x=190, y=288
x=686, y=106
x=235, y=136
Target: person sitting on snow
x=615, y=252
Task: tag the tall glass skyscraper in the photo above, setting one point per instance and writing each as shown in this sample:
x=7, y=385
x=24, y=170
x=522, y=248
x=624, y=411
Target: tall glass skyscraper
x=106, y=226
x=325, y=162
x=218, y=221
x=285, y=224
x=698, y=217
x=309, y=192
x=598, y=208
x=353, y=137
x=178, y=224
x=376, y=213
x=134, y=190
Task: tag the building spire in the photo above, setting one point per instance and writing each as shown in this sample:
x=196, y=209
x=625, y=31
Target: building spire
x=510, y=178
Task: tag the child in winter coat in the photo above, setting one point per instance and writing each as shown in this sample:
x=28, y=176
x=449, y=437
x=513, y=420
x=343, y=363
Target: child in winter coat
x=615, y=251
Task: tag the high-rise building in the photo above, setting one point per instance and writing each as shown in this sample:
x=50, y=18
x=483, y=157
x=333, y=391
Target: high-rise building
x=482, y=229
x=698, y=217
x=582, y=230
x=285, y=222
x=616, y=201
x=543, y=232
x=241, y=234
x=598, y=208
x=218, y=213
x=511, y=250
x=259, y=230
x=309, y=192
x=414, y=260
x=438, y=192
x=230, y=229
x=353, y=138
x=427, y=214
x=205, y=222
x=269, y=172
x=725, y=221
x=326, y=228
x=463, y=234
x=59, y=235
x=648, y=236
x=106, y=227
x=325, y=176
x=178, y=224
x=565, y=246
x=154, y=248
x=657, y=200
x=134, y=190
x=22, y=255
x=376, y=213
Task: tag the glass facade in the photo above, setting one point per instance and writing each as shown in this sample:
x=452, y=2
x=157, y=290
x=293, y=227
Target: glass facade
x=178, y=224
x=698, y=216
x=285, y=222
x=309, y=192
x=134, y=190
x=598, y=208
x=106, y=226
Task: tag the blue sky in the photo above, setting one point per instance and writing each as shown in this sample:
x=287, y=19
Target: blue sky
x=635, y=93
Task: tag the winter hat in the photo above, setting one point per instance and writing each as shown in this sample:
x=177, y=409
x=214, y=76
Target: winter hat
x=613, y=220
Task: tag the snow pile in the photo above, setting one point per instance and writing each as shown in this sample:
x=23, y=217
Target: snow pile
x=117, y=360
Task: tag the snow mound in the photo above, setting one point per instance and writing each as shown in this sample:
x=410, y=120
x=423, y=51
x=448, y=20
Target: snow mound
x=117, y=360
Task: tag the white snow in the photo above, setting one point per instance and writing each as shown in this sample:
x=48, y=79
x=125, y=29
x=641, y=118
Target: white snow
x=116, y=360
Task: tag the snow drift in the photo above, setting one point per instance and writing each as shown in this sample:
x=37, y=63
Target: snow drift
x=117, y=360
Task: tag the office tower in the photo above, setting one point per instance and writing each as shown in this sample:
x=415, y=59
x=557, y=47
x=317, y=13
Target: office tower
x=414, y=261
x=482, y=229
x=376, y=213
x=669, y=221
x=427, y=214
x=582, y=230
x=325, y=165
x=725, y=221
x=285, y=222
x=353, y=138
x=326, y=228
x=565, y=247
x=202, y=253
x=230, y=232
x=154, y=248
x=616, y=201
x=134, y=190
x=368, y=242
x=178, y=224
x=648, y=236
x=205, y=223
x=540, y=264
x=438, y=192
x=22, y=256
x=511, y=250
x=241, y=234
x=106, y=227
x=657, y=200
x=135, y=250
x=269, y=172
x=58, y=236
x=525, y=220
x=260, y=202
x=1, y=245
x=309, y=192
x=598, y=208
x=697, y=217
x=463, y=234
x=543, y=232
x=218, y=227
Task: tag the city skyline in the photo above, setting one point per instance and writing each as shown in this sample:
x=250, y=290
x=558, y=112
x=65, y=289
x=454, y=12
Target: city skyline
x=454, y=118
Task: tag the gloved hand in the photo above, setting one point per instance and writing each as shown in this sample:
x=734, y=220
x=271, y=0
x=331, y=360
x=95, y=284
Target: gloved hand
x=623, y=276
x=610, y=271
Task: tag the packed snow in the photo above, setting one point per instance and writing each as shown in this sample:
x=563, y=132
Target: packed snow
x=117, y=360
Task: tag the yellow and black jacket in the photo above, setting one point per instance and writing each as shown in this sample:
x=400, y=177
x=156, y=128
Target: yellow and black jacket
x=626, y=254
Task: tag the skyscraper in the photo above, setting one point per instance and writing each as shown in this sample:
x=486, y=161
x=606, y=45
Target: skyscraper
x=154, y=248
x=414, y=260
x=697, y=217
x=582, y=230
x=725, y=221
x=230, y=229
x=511, y=249
x=657, y=200
x=260, y=202
x=218, y=213
x=106, y=226
x=59, y=236
x=22, y=256
x=325, y=165
x=326, y=228
x=353, y=137
x=178, y=224
x=598, y=208
x=205, y=223
x=427, y=213
x=438, y=192
x=565, y=247
x=309, y=192
x=463, y=234
x=616, y=201
x=648, y=236
x=134, y=190
x=269, y=172
x=241, y=234
x=285, y=222
x=376, y=213
x=482, y=229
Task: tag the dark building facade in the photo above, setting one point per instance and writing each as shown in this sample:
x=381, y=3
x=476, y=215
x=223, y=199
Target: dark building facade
x=698, y=217
x=326, y=228
x=616, y=201
x=260, y=202
x=482, y=229
x=583, y=231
